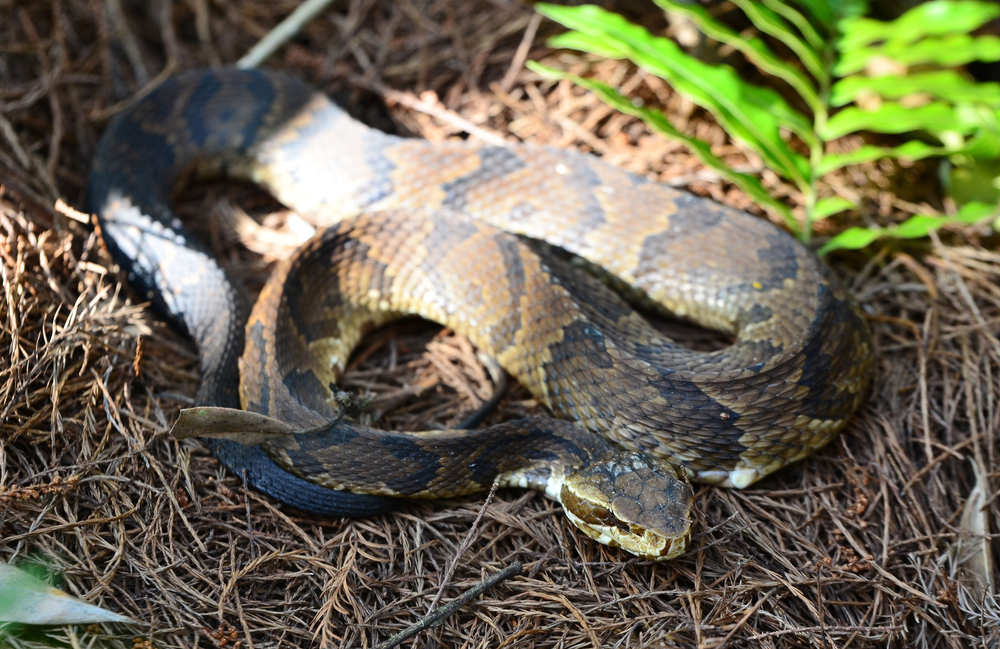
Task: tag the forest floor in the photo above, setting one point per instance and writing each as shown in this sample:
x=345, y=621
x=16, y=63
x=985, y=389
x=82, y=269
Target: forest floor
x=881, y=539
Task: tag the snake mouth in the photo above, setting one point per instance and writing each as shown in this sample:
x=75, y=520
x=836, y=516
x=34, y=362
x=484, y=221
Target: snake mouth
x=632, y=501
x=634, y=539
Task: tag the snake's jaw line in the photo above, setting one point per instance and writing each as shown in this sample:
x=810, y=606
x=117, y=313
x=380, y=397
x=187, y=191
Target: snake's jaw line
x=642, y=543
x=634, y=501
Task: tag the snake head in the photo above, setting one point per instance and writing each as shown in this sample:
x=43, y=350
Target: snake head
x=633, y=501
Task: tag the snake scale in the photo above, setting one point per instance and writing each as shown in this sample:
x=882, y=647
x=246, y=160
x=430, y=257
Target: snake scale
x=494, y=242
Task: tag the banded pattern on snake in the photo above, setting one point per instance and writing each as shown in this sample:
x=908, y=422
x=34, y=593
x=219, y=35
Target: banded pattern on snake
x=489, y=241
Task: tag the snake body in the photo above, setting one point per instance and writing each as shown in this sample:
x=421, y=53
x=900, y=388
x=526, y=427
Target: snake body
x=489, y=241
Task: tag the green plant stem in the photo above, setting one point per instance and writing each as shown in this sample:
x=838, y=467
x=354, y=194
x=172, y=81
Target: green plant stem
x=817, y=153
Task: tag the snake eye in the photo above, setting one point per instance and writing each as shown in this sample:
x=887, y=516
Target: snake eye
x=633, y=501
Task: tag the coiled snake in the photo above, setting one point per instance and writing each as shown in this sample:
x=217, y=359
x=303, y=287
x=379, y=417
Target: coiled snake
x=489, y=241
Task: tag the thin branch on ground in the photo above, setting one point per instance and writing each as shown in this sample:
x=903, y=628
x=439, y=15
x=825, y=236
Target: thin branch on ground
x=282, y=33
x=439, y=615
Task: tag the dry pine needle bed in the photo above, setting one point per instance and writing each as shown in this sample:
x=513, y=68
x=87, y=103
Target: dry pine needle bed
x=882, y=539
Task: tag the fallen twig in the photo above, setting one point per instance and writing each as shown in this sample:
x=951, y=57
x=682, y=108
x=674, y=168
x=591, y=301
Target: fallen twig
x=284, y=31
x=466, y=542
x=440, y=615
x=411, y=101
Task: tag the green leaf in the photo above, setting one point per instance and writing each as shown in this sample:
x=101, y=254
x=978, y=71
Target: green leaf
x=891, y=117
x=912, y=150
x=971, y=180
x=851, y=239
x=587, y=43
x=750, y=114
x=929, y=19
x=830, y=205
x=985, y=144
x=975, y=212
x=755, y=49
x=771, y=23
x=978, y=116
x=802, y=23
x=828, y=12
x=821, y=10
x=948, y=51
x=948, y=85
x=916, y=226
x=658, y=122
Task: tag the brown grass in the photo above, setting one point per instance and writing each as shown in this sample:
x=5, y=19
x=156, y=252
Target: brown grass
x=876, y=541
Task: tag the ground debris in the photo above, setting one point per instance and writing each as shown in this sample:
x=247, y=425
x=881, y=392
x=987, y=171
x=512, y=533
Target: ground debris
x=860, y=546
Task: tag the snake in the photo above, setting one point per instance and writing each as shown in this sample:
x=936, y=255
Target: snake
x=544, y=258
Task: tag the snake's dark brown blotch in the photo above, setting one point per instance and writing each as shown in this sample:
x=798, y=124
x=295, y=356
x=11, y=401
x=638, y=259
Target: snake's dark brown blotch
x=477, y=238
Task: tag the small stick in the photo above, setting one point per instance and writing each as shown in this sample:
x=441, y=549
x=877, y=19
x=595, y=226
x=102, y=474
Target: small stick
x=521, y=54
x=439, y=615
x=282, y=32
x=411, y=101
x=466, y=542
x=127, y=39
x=254, y=553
